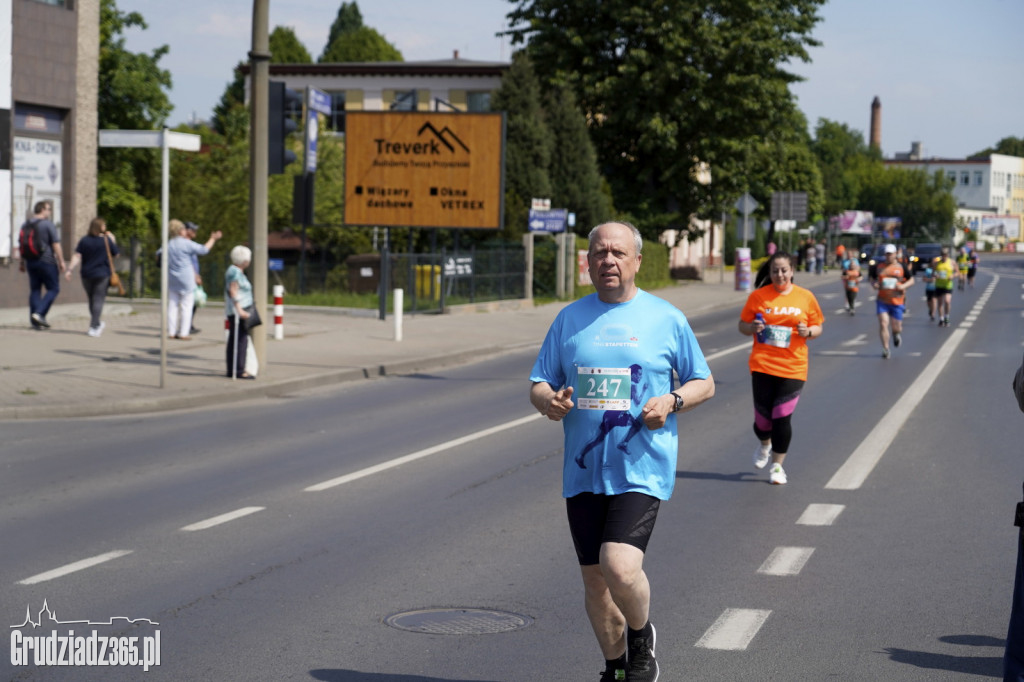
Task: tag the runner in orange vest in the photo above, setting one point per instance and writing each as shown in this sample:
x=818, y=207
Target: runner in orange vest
x=893, y=280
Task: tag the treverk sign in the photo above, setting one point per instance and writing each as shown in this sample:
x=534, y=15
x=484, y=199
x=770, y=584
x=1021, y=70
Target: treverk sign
x=422, y=169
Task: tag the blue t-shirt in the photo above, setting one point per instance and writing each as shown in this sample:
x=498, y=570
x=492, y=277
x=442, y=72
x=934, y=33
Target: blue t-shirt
x=181, y=276
x=95, y=263
x=617, y=356
x=235, y=274
x=929, y=279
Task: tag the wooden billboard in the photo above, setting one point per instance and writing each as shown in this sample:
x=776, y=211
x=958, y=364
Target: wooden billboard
x=424, y=169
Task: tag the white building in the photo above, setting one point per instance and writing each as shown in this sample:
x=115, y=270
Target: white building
x=983, y=188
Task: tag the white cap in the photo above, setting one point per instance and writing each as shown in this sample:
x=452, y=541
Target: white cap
x=890, y=248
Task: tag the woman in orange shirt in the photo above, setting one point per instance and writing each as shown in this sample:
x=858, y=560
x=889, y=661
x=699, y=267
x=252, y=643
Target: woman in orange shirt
x=781, y=317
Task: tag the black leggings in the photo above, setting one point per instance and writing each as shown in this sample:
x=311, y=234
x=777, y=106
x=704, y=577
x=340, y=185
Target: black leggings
x=775, y=398
x=243, y=345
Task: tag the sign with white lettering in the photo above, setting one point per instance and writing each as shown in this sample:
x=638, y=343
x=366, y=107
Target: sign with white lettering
x=424, y=169
x=548, y=221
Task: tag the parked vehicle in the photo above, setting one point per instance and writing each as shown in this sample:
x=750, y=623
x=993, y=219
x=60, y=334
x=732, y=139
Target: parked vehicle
x=925, y=254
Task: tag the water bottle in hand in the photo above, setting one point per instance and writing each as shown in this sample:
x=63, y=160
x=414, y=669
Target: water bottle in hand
x=763, y=334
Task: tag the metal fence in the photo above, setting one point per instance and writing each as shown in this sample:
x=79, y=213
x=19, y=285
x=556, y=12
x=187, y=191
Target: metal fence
x=431, y=281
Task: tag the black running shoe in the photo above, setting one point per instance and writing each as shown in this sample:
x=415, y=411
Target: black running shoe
x=897, y=339
x=642, y=665
x=613, y=673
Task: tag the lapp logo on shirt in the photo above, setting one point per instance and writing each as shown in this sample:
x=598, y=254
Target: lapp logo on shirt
x=616, y=335
x=783, y=310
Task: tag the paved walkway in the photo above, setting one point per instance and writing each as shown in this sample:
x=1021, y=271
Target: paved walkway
x=62, y=372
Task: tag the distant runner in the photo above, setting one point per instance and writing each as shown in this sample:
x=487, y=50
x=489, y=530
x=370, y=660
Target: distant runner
x=893, y=280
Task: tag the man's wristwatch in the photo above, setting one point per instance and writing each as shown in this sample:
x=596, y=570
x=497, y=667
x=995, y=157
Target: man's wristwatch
x=679, y=402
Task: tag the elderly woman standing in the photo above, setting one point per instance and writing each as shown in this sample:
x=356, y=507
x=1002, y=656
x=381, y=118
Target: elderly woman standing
x=181, y=278
x=94, y=252
x=237, y=299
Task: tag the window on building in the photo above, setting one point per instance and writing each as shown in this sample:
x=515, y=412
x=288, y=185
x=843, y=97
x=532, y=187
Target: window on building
x=952, y=176
x=58, y=3
x=978, y=179
x=478, y=101
x=404, y=101
x=965, y=178
x=336, y=119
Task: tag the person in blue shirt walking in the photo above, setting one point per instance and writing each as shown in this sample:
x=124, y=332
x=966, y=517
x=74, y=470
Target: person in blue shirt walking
x=606, y=366
x=181, y=278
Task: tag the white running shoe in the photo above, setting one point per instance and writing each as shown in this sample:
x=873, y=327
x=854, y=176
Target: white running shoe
x=762, y=455
x=778, y=475
x=99, y=329
x=93, y=331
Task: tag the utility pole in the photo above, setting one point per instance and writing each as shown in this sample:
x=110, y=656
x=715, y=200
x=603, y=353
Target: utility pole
x=259, y=73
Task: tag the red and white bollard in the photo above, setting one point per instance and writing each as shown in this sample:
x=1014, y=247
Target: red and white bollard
x=278, y=312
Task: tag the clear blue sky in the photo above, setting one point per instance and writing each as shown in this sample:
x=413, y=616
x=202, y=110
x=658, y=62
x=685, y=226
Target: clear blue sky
x=949, y=73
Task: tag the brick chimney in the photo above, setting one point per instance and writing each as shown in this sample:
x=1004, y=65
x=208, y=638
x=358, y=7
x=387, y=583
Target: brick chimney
x=876, y=124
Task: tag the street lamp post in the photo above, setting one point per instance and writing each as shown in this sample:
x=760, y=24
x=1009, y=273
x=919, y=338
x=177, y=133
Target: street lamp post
x=259, y=72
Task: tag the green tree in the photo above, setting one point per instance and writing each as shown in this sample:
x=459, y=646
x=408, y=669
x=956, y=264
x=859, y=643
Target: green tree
x=131, y=97
x=669, y=85
x=286, y=48
x=527, y=143
x=1010, y=146
x=364, y=44
x=924, y=202
x=230, y=117
x=576, y=182
x=348, y=20
x=843, y=159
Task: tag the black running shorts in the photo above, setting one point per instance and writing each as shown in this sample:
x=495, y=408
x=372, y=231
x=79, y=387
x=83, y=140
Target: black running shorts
x=596, y=519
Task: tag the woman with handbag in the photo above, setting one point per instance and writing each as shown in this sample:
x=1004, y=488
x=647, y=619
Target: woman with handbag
x=240, y=311
x=96, y=251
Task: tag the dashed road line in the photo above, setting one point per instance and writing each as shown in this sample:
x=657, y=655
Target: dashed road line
x=786, y=561
x=734, y=629
x=74, y=567
x=820, y=514
x=223, y=518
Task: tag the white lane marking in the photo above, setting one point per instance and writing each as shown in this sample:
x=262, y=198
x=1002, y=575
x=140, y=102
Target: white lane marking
x=786, y=561
x=820, y=514
x=836, y=352
x=734, y=629
x=861, y=463
x=855, y=470
x=399, y=461
x=728, y=351
x=977, y=355
x=223, y=518
x=76, y=566
x=858, y=340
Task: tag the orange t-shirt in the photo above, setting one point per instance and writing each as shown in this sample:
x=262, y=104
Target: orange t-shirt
x=784, y=352
x=888, y=276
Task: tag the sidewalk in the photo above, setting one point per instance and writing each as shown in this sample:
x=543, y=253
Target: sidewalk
x=62, y=372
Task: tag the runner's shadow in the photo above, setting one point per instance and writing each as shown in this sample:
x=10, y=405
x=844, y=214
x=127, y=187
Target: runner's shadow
x=337, y=675
x=983, y=666
x=738, y=477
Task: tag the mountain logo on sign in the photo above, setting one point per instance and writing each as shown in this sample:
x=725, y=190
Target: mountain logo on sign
x=445, y=136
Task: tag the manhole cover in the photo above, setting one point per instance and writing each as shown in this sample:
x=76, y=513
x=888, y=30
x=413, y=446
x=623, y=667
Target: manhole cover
x=457, y=621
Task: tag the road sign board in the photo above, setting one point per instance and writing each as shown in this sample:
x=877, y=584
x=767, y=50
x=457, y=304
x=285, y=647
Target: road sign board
x=548, y=221
x=318, y=101
x=789, y=206
x=746, y=204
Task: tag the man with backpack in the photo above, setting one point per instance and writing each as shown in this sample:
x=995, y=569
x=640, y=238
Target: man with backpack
x=42, y=257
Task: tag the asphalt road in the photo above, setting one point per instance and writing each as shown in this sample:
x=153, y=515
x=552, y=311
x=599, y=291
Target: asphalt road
x=877, y=560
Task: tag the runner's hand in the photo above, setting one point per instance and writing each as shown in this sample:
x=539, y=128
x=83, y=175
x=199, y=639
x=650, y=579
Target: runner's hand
x=560, y=404
x=655, y=412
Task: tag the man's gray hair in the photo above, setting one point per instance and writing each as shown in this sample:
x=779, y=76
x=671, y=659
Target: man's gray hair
x=637, y=239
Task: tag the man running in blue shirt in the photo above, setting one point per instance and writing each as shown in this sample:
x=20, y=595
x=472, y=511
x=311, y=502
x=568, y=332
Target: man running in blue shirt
x=605, y=366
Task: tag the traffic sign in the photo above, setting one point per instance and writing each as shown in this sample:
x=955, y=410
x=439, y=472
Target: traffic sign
x=789, y=206
x=746, y=204
x=548, y=221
